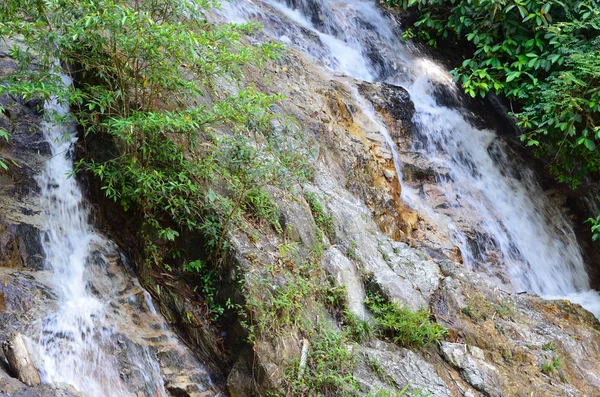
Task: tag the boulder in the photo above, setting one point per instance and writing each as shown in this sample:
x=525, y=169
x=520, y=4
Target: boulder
x=19, y=360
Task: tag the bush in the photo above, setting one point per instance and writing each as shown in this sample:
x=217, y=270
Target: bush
x=541, y=55
x=187, y=157
x=329, y=368
x=406, y=328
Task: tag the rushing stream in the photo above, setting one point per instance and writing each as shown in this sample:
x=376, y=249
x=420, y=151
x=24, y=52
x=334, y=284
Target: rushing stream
x=499, y=217
x=106, y=338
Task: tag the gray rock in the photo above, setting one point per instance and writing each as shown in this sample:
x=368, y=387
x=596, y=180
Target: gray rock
x=8, y=384
x=353, y=223
x=403, y=366
x=345, y=273
x=19, y=360
x=471, y=362
x=411, y=264
x=47, y=390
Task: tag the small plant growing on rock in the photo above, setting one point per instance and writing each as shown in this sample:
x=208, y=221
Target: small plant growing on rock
x=328, y=370
x=550, y=346
x=351, y=251
x=468, y=310
x=550, y=367
x=376, y=367
x=405, y=327
x=323, y=219
x=503, y=309
x=358, y=329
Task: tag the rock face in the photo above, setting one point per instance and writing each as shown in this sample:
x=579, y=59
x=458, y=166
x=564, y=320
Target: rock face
x=19, y=360
x=498, y=343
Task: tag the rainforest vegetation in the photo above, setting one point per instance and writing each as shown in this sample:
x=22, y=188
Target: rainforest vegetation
x=542, y=56
x=144, y=74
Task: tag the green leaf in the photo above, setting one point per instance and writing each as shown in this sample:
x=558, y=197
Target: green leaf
x=512, y=76
x=589, y=144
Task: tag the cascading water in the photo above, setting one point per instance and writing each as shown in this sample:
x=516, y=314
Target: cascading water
x=518, y=230
x=70, y=345
x=100, y=338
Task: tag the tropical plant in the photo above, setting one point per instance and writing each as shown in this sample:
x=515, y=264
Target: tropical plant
x=541, y=55
x=144, y=74
x=405, y=327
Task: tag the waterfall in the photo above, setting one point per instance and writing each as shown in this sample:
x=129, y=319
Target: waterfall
x=520, y=234
x=81, y=344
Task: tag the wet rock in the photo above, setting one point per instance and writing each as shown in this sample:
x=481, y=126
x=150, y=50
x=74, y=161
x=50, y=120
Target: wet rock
x=24, y=153
x=24, y=298
x=19, y=360
x=495, y=338
x=21, y=247
x=47, y=390
x=392, y=101
x=315, y=11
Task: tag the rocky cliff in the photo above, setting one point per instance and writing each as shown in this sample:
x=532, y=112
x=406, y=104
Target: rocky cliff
x=346, y=236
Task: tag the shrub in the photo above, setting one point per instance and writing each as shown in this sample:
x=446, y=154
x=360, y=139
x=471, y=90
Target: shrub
x=541, y=55
x=329, y=368
x=406, y=328
x=185, y=156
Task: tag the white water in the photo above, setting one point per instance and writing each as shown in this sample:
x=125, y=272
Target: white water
x=520, y=231
x=78, y=343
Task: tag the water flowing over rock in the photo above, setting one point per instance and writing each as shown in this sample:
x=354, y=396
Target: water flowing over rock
x=402, y=157
x=89, y=327
x=496, y=213
x=429, y=206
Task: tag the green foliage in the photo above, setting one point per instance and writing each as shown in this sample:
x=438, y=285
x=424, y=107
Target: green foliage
x=357, y=329
x=191, y=159
x=323, y=219
x=550, y=346
x=206, y=279
x=550, y=367
x=505, y=310
x=468, y=310
x=289, y=298
x=540, y=54
x=276, y=299
x=406, y=328
x=187, y=157
x=351, y=251
x=329, y=368
x=595, y=222
x=293, y=298
x=4, y=135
